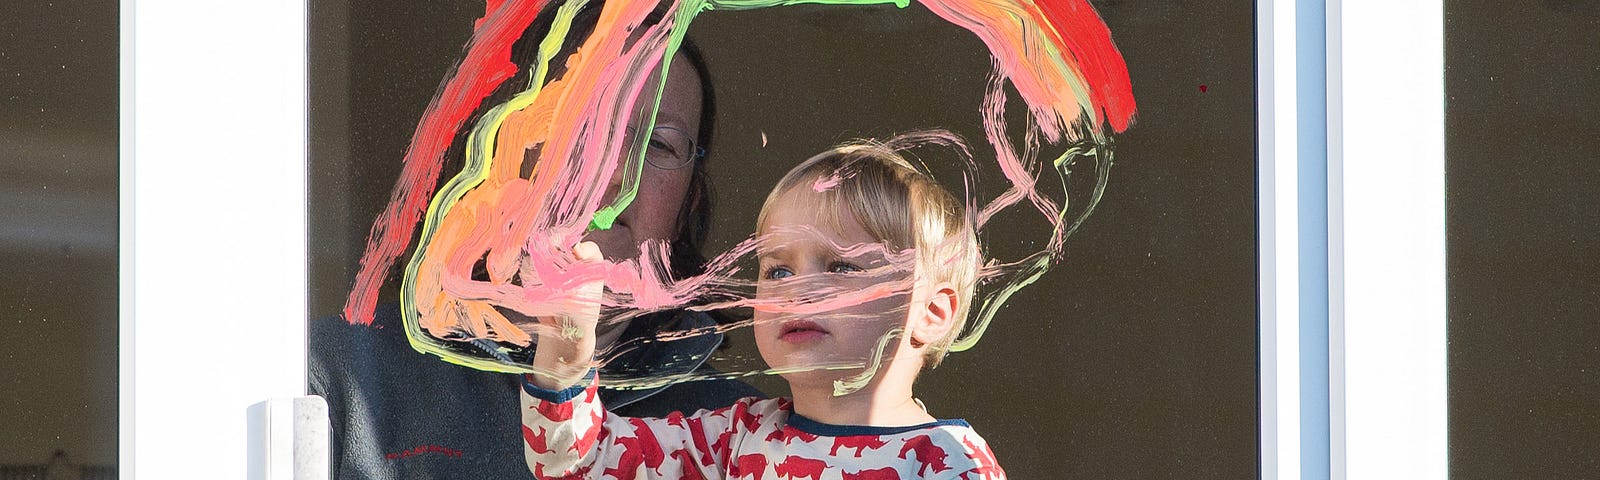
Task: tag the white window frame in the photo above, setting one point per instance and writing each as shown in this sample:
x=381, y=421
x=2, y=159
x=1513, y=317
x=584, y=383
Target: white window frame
x=1386, y=239
x=213, y=233
x=1278, y=240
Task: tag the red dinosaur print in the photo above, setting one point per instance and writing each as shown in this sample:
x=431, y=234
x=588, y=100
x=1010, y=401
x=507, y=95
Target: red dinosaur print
x=886, y=473
x=754, y=464
x=928, y=454
x=593, y=434
x=536, y=441
x=554, y=412
x=538, y=472
x=983, y=474
x=800, y=467
x=643, y=444
x=697, y=431
x=723, y=445
x=988, y=467
x=741, y=414
x=675, y=419
x=686, y=463
x=788, y=434
x=627, y=465
x=795, y=433
x=858, y=442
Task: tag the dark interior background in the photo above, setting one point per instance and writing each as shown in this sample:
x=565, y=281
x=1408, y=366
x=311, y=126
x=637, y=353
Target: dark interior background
x=1135, y=358
x=58, y=238
x=1522, y=145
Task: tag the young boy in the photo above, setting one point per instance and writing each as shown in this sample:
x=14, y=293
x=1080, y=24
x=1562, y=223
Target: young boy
x=867, y=266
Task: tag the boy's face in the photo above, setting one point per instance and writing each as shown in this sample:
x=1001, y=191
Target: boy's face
x=826, y=296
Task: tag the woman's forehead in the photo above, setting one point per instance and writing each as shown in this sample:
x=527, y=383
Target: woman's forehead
x=680, y=100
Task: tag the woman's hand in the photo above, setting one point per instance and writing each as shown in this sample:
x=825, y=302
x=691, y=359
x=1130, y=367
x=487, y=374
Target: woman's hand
x=565, y=349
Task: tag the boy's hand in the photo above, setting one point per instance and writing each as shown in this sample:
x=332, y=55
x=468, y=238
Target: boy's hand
x=566, y=351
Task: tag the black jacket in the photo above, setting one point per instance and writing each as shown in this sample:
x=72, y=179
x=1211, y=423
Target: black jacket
x=400, y=414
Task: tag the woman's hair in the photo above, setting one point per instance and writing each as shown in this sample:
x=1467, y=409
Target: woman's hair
x=901, y=206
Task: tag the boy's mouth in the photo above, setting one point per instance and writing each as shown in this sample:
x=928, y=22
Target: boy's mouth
x=798, y=331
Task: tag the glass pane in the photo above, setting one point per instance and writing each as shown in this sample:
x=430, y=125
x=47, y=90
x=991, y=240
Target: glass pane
x=1523, y=231
x=58, y=239
x=1133, y=357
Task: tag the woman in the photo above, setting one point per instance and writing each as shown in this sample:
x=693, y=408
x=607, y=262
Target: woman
x=397, y=413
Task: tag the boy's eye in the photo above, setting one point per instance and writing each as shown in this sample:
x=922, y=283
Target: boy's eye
x=842, y=267
x=778, y=273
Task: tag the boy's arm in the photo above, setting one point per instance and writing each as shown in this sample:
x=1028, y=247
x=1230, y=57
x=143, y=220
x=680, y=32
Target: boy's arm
x=558, y=432
x=568, y=434
x=560, y=428
x=566, y=344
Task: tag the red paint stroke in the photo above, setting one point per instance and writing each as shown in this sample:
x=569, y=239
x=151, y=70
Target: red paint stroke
x=1087, y=38
x=486, y=66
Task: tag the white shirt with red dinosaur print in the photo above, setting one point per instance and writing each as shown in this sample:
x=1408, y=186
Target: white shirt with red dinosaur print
x=569, y=435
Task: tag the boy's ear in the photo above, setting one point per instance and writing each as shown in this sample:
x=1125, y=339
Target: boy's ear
x=936, y=315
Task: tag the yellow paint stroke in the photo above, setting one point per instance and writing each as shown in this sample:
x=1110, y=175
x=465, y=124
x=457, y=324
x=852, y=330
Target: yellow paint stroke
x=568, y=133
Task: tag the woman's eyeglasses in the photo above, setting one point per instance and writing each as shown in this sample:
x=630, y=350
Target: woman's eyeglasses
x=670, y=148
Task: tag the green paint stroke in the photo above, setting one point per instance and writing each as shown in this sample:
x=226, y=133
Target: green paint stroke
x=481, y=149
x=851, y=385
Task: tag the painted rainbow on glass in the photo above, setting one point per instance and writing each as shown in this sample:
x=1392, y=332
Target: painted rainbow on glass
x=1057, y=55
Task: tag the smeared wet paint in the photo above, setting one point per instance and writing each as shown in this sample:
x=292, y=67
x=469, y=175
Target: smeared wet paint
x=1058, y=56
x=823, y=184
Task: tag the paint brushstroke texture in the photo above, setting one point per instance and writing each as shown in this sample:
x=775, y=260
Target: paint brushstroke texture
x=1057, y=55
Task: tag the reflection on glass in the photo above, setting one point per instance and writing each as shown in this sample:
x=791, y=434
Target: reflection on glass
x=58, y=240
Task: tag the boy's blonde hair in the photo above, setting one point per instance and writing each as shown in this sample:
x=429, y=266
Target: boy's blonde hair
x=900, y=205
